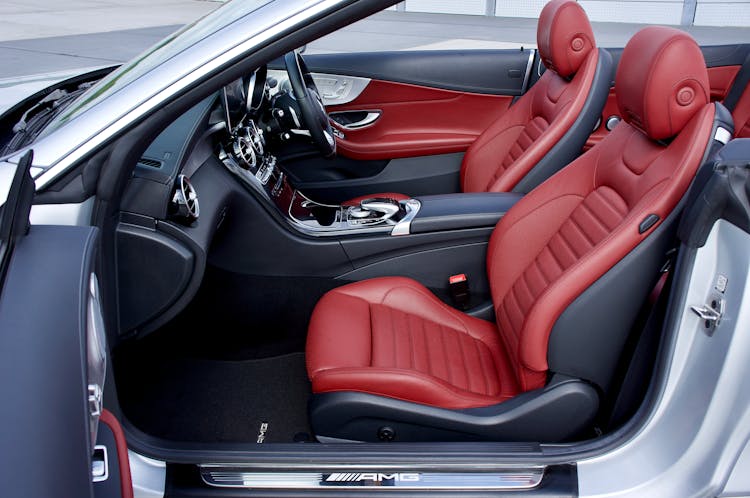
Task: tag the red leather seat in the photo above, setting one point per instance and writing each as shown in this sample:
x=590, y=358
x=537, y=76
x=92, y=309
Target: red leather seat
x=547, y=127
x=738, y=101
x=569, y=266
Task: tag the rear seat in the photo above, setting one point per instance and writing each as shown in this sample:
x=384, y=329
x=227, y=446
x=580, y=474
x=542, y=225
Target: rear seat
x=738, y=101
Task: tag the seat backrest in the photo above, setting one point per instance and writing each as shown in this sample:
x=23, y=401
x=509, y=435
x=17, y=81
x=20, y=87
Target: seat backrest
x=548, y=125
x=572, y=230
x=738, y=100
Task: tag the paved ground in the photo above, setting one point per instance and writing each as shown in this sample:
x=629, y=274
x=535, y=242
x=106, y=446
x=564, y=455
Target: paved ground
x=43, y=36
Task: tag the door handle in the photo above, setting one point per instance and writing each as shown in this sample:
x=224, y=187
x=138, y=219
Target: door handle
x=354, y=120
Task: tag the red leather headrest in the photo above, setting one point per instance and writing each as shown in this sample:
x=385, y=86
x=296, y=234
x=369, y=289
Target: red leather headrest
x=661, y=81
x=564, y=36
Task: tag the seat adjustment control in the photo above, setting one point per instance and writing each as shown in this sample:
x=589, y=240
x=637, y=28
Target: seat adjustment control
x=386, y=434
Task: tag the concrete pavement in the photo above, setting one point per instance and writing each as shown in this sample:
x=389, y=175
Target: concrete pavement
x=26, y=19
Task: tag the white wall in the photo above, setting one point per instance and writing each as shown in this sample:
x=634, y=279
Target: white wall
x=708, y=12
x=722, y=13
x=476, y=7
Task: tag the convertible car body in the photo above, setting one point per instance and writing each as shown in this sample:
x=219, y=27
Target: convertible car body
x=232, y=269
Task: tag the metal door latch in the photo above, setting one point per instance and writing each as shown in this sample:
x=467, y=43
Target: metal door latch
x=710, y=314
x=95, y=400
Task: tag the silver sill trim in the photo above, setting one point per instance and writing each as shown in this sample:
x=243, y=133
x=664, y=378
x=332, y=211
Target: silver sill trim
x=149, y=476
x=513, y=479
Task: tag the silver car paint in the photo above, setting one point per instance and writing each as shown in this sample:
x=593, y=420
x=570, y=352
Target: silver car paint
x=692, y=440
x=148, y=475
x=14, y=90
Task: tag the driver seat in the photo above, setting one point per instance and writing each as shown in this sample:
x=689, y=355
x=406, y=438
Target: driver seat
x=569, y=266
x=547, y=126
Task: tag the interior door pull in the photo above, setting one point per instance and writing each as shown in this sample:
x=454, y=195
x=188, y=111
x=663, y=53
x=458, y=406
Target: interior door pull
x=344, y=119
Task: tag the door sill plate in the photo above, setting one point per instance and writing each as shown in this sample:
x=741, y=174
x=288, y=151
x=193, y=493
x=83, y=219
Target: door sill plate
x=512, y=479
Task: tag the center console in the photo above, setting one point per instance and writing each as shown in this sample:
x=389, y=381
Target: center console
x=259, y=171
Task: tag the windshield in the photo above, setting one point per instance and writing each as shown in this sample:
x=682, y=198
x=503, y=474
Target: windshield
x=156, y=55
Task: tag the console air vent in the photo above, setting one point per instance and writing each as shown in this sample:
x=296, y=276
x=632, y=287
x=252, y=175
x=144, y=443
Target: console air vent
x=184, y=206
x=151, y=163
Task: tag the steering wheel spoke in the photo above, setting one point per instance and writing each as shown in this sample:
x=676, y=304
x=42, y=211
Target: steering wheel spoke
x=314, y=115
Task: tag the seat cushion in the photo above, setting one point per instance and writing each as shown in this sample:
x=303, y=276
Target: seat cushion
x=392, y=337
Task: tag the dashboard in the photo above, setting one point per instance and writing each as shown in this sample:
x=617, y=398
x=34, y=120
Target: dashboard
x=214, y=162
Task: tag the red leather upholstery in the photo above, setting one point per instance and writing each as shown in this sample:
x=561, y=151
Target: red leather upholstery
x=391, y=337
x=737, y=98
x=720, y=78
x=559, y=239
x=521, y=136
x=416, y=120
x=660, y=97
x=741, y=115
x=564, y=37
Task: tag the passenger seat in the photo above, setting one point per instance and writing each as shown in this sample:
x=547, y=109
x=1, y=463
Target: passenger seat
x=546, y=127
x=738, y=101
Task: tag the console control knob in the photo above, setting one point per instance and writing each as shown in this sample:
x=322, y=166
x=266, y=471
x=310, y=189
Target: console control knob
x=384, y=206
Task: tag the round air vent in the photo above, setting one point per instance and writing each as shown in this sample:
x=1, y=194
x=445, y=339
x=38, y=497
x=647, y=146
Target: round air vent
x=184, y=206
x=245, y=151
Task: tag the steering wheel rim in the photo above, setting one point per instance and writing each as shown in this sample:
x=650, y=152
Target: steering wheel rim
x=314, y=115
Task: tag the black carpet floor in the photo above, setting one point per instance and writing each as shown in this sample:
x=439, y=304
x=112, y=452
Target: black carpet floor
x=186, y=398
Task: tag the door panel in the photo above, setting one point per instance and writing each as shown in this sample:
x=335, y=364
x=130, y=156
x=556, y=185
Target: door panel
x=414, y=105
x=52, y=353
x=44, y=418
x=496, y=72
x=720, y=79
x=416, y=121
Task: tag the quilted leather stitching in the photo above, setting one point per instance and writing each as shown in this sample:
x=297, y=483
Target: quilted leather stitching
x=598, y=214
x=403, y=341
x=529, y=134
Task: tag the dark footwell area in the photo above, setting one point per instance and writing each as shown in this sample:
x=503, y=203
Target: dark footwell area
x=229, y=363
x=206, y=400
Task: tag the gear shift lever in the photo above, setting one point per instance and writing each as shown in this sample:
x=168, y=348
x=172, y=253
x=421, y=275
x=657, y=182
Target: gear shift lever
x=384, y=206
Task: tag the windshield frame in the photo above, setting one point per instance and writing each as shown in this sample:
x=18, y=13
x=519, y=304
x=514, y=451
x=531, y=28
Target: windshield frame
x=66, y=146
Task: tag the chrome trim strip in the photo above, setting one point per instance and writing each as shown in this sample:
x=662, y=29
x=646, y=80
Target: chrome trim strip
x=527, y=76
x=343, y=89
x=403, y=227
x=340, y=226
x=512, y=479
x=349, y=89
x=368, y=120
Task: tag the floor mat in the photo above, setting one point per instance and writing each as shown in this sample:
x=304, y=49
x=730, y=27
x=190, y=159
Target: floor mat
x=193, y=399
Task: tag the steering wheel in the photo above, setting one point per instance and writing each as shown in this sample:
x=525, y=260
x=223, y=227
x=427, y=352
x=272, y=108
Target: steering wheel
x=314, y=115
